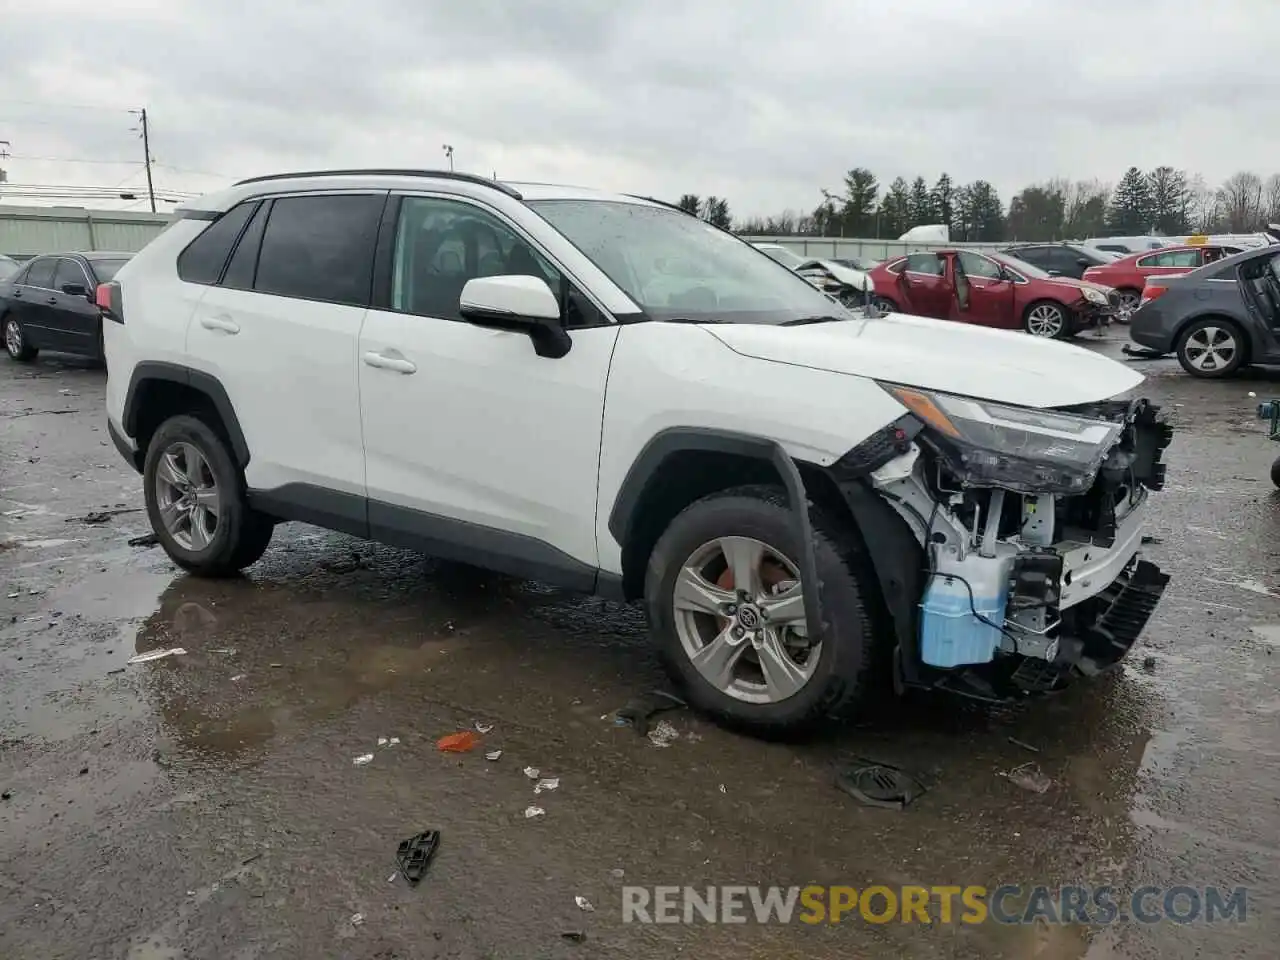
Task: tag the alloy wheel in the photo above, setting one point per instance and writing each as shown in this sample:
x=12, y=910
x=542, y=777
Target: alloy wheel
x=1210, y=348
x=1045, y=320
x=740, y=617
x=1128, y=303
x=12, y=337
x=187, y=496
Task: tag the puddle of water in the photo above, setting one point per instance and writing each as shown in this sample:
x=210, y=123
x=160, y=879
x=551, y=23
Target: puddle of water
x=1253, y=586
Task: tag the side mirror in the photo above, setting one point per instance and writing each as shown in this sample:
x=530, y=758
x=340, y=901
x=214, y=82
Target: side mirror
x=1054, y=273
x=517, y=303
x=74, y=290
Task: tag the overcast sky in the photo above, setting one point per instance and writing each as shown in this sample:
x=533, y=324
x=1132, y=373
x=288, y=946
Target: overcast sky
x=763, y=103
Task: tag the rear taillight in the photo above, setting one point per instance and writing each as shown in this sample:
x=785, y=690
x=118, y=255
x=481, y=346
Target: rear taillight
x=107, y=297
x=1150, y=292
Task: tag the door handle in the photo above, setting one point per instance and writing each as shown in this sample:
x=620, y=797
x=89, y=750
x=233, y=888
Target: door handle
x=225, y=324
x=398, y=364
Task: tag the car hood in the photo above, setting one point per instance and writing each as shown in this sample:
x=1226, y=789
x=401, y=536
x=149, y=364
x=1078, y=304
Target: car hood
x=1079, y=284
x=854, y=278
x=999, y=365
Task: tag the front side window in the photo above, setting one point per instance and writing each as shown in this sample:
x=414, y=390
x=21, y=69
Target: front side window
x=320, y=248
x=69, y=272
x=41, y=273
x=976, y=266
x=442, y=244
x=1172, y=258
x=928, y=263
x=677, y=267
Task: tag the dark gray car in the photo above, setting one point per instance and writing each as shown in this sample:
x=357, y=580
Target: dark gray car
x=1217, y=318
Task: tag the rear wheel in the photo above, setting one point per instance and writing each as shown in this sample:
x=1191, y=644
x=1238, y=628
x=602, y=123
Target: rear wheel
x=725, y=597
x=1211, y=348
x=884, y=305
x=1047, y=319
x=196, y=500
x=15, y=341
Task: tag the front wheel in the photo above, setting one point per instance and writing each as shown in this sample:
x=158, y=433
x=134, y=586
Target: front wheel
x=196, y=501
x=1211, y=349
x=15, y=341
x=1048, y=320
x=725, y=598
x=1129, y=301
x=1275, y=471
x=884, y=305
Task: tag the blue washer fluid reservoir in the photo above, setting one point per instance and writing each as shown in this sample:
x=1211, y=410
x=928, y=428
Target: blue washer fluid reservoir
x=950, y=635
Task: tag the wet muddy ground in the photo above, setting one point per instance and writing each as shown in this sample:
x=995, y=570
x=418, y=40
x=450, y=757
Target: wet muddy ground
x=208, y=806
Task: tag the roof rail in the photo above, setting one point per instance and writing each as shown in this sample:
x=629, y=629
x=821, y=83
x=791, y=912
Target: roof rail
x=442, y=174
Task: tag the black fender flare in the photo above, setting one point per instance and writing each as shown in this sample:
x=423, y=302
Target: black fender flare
x=198, y=380
x=674, y=440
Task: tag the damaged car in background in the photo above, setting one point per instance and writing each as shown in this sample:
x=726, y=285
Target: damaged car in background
x=851, y=287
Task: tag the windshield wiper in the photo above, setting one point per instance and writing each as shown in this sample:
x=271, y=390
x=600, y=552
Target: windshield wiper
x=691, y=320
x=805, y=320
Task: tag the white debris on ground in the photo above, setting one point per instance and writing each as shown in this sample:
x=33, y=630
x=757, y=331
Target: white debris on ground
x=546, y=783
x=584, y=904
x=532, y=772
x=361, y=760
x=663, y=734
x=493, y=755
x=531, y=812
x=157, y=655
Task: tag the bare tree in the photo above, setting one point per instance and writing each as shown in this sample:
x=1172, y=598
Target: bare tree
x=1240, y=198
x=1273, y=198
x=1205, y=213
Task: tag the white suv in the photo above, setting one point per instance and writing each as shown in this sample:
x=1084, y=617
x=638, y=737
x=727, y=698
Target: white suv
x=604, y=393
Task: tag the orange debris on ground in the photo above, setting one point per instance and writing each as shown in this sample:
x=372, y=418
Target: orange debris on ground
x=458, y=742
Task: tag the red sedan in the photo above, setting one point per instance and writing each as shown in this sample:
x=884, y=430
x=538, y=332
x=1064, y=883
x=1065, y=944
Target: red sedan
x=1129, y=274
x=992, y=290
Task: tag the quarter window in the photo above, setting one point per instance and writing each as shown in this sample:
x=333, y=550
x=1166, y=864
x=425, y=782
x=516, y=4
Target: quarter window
x=205, y=256
x=441, y=244
x=320, y=248
x=41, y=273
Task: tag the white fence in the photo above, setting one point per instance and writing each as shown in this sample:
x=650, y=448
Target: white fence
x=831, y=248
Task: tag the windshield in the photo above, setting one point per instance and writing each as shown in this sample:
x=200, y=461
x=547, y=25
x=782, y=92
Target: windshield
x=107, y=269
x=1024, y=268
x=678, y=267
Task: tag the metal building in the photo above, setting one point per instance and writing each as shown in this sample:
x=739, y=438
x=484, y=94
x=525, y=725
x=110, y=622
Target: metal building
x=27, y=231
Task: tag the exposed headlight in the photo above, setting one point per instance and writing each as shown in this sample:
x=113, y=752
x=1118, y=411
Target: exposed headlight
x=1094, y=296
x=989, y=444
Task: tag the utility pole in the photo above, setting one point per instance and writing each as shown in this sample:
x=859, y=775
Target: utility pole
x=146, y=154
x=448, y=152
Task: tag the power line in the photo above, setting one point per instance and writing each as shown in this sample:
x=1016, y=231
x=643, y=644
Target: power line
x=60, y=105
x=23, y=156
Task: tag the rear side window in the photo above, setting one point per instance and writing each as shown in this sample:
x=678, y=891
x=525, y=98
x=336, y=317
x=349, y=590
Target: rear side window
x=320, y=248
x=924, y=263
x=205, y=256
x=41, y=273
x=69, y=272
x=244, y=262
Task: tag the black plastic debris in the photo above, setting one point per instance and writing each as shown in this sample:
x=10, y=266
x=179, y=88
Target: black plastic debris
x=144, y=540
x=102, y=516
x=1139, y=353
x=414, y=855
x=880, y=785
x=1150, y=539
x=1149, y=664
x=640, y=711
x=574, y=936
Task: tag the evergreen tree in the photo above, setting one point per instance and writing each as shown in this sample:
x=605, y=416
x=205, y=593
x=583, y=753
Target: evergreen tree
x=1131, y=205
x=716, y=212
x=895, y=210
x=921, y=203
x=690, y=203
x=944, y=201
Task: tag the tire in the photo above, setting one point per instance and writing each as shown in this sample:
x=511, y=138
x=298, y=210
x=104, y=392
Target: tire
x=1039, y=320
x=239, y=535
x=102, y=348
x=1129, y=300
x=838, y=678
x=884, y=305
x=1225, y=341
x=1275, y=471
x=15, y=341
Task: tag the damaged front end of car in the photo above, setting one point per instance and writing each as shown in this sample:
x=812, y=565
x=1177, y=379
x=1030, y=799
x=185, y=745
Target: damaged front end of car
x=1028, y=524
